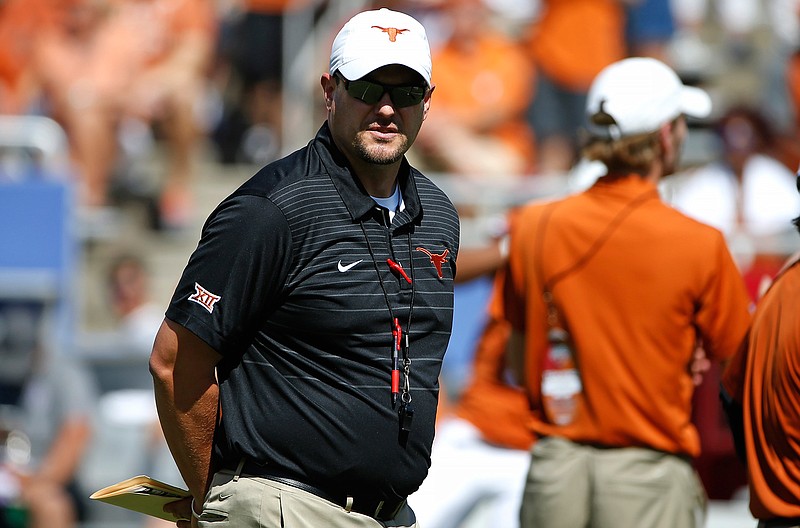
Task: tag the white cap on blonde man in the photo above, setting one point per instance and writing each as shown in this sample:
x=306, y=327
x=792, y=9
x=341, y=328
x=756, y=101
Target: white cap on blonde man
x=373, y=39
x=638, y=95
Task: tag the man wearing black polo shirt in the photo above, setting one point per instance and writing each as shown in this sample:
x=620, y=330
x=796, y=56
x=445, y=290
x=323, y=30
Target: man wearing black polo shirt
x=296, y=369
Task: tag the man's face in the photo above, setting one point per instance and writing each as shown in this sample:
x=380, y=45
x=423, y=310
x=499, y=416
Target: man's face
x=379, y=133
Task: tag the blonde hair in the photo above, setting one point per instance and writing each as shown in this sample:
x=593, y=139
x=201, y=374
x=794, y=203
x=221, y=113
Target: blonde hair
x=628, y=154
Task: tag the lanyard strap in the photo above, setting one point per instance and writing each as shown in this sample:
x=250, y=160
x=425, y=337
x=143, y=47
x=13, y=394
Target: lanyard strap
x=399, y=345
x=548, y=285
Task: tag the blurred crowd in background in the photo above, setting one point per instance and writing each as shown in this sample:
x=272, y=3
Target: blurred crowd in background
x=151, y=101
x=124, y=76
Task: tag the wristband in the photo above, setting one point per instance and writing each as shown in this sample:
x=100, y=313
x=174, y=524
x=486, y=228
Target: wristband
x=194, y=513
x=503, y=245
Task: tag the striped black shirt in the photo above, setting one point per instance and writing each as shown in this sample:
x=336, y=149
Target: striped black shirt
x=288, y=288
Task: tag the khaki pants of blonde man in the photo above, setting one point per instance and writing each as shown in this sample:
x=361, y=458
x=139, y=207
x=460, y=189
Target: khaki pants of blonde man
x=255, y=502
x=578, y=486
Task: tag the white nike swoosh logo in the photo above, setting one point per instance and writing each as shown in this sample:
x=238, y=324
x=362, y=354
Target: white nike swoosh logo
x=349, y=266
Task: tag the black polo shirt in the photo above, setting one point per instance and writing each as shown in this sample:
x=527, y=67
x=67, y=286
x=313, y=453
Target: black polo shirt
x=290, y=284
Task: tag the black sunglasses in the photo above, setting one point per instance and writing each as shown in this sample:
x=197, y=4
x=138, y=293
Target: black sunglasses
x=371, y=92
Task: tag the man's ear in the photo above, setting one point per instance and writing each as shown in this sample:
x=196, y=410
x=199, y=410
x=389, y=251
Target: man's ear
x=328, y=84
x=426, y=105
x=666, y=139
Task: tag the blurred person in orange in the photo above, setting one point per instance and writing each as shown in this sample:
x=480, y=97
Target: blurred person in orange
x=486, y=82
x=608, y=292
x=759, y=393
x=481, y=452
x=570, y=42
x=20, y=21
x=142, y=60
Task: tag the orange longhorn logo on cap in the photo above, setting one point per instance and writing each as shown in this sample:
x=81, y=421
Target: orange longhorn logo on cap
x=392, y=32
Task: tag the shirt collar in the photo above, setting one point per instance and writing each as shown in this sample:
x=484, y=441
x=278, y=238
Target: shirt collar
x=359, y=203
x=622, y=188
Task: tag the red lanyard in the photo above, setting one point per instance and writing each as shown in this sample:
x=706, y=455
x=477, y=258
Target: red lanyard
x=400, y=342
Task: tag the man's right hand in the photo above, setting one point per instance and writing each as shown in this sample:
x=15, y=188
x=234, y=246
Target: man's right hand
x=182, y=509
x=699, y=366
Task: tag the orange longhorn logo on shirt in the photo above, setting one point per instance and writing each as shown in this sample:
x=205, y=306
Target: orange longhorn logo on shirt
x=436, y=260
x=392, y=32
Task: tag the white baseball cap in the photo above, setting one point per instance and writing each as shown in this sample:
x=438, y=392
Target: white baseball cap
x=640, y=95
x=373, y=39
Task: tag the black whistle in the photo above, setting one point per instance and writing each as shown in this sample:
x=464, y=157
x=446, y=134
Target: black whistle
x=406, y=417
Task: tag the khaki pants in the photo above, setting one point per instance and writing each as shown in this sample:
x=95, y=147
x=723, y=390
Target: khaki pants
x=254, y=502
x=577, y=486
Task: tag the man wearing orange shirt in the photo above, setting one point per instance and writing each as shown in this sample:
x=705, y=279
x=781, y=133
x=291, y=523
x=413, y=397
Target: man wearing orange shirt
x=608, y=292
x=762, y=383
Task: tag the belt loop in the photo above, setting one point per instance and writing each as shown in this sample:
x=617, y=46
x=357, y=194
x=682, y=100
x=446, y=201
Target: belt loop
x=349, y=504
x=239, y=469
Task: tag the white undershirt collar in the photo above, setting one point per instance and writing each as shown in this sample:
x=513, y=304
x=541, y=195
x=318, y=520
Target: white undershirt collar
x=393, y=203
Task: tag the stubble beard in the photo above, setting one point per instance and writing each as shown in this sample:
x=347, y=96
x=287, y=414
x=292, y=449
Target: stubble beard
x=380, y=153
